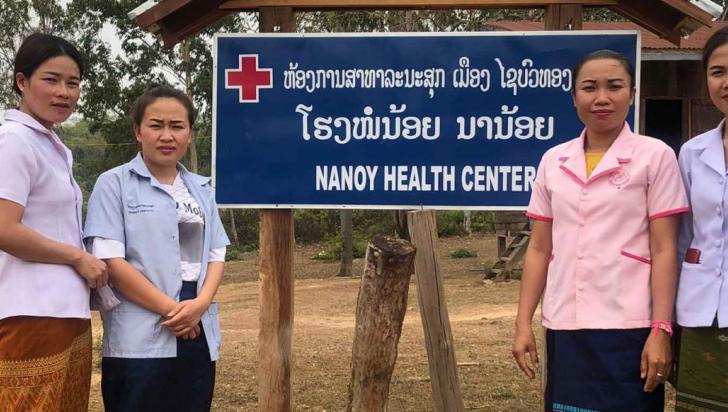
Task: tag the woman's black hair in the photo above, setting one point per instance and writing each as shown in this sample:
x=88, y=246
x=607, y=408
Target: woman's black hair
x=39, y=47
x=717, y=39
x=158, y=91
x=599, y=55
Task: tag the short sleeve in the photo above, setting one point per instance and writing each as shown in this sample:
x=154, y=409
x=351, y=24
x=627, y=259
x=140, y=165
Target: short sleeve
x=104, y=216
x=218, y=236
x=107, y=248
x=18, y=167
x=539, y=207
x=665, y=190
x=217, y=255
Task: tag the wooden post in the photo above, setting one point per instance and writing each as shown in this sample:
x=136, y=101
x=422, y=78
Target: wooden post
x=275, y=337
x=446, y=395
x=563, y=17
x=380, y=310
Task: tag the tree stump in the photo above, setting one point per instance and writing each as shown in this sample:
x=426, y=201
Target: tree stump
x=380, y=310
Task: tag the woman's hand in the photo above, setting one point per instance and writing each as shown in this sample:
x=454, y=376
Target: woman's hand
x=93, y=270
x=195, y=332
x=656, y=362
x=525, y=343
x=185, y=316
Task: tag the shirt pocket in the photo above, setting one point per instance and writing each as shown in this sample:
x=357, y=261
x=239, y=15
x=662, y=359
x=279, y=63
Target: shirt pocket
x=634, y=277
x=697, y=282
x=132, y=331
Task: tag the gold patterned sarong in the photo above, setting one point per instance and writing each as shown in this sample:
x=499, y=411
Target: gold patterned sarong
x=45, y=364
x=702, y=374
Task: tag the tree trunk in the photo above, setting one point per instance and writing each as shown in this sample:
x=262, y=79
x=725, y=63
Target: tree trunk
x=400, y=224
x=234, y=228
x=192, y=149
x=347, y=242
x=467, y=222
x=380, y=311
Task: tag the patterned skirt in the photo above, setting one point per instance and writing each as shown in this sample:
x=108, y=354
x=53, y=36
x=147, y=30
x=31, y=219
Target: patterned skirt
x=45, y=364
x=702, y=372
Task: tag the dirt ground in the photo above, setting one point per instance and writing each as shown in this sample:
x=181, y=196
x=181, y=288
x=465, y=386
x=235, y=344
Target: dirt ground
x=481, y=316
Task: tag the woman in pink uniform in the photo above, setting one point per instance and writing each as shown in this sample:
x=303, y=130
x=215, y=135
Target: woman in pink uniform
x=605, y=209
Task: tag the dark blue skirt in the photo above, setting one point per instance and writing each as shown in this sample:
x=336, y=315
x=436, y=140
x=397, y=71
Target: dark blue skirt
x=184, y=383
x=598, y=370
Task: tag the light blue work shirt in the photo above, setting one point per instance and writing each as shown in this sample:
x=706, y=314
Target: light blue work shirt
x=130, y=206
x=703, y=290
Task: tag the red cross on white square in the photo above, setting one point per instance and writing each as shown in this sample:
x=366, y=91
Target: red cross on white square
x=248, y=78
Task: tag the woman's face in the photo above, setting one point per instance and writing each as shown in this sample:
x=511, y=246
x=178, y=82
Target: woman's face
x=603, y=95
x=51, y=92
x=717, y=78
x=164, y=132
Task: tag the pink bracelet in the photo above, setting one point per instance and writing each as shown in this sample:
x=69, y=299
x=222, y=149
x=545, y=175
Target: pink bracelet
x=664, y=325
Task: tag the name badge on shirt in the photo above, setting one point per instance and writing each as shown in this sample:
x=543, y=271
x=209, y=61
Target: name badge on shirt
x=140, y=208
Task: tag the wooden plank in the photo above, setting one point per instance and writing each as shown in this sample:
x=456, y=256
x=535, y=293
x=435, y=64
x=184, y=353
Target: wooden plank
x=446, y=396
x=563, y=17
x=159, y=12
x=380, y=310
x=643, y=13
x=275, y=279
x=690, y=10
x=384, y=4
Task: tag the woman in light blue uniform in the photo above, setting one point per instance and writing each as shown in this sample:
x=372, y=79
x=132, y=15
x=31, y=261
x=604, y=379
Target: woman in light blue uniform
x=157, y=227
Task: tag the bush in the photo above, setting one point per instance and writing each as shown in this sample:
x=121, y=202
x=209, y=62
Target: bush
x=461, y=253
x=450, y=223
x=232, y=253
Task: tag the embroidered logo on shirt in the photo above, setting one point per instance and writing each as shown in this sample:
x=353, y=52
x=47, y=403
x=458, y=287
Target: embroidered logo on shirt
x=140, y=208
x=619, y=178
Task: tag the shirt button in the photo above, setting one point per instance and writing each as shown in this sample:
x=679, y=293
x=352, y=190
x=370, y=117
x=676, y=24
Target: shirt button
x=718, y=242
x=174, y=237
x=583, y=191
x=580, y=257
x=718, y=210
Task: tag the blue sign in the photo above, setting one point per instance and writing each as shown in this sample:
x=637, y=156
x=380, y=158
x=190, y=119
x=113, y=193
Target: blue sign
x=448, y=121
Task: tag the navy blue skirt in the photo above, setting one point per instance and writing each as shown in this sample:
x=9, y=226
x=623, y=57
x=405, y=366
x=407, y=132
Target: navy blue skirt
x=184, y=383
x=598, y=370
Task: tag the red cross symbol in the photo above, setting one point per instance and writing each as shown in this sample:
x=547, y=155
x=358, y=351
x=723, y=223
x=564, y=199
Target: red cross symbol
x=248, y=78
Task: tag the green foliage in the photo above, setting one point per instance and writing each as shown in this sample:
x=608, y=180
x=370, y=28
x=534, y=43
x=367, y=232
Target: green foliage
x=232, y=253
x=450, y=223
x=314, y=225
x=482, y=221
x=461, y=253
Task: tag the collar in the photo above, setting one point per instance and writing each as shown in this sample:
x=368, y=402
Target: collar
x=15, y=115
x=573, y=160
x=711, y=148
x=138, y=166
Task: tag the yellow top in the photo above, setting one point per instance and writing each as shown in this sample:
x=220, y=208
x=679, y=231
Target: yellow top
x=592, y=160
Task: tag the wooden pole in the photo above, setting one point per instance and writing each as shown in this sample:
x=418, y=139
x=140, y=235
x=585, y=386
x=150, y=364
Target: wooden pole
x=275, y=337
x=446, y=396
x=380, y=310
x=563, y=17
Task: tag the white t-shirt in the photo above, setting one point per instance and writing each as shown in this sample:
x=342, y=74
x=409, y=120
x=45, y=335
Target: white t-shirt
x=191, y=224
